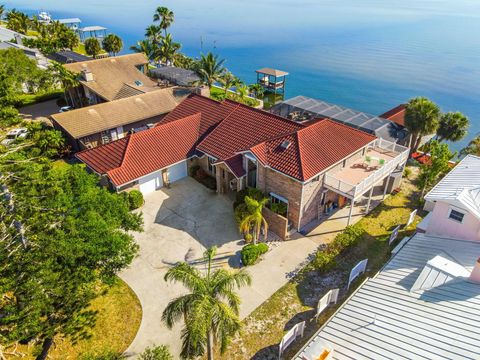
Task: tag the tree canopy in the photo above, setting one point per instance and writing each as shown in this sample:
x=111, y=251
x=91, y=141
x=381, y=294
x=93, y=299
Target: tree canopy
x=437, y=166
x=453, y=126
x=210, y=69
x=92, y=47
x=112, y=44
x=421, y=118
x=165, y=17
x=473, y=147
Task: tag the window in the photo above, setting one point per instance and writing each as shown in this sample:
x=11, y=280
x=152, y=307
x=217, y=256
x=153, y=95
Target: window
x=456, y=215
x=278, y=204
x=211, y=167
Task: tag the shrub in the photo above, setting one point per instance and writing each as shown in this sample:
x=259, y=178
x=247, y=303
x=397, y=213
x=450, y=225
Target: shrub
x=135, y=199
x=325, y=259
x=407, y=172
x=156, y=353
x=9, y=116
x=193, y=170
x=248, y=238
x=279, y=208
x=250, y=253
x=254, y=193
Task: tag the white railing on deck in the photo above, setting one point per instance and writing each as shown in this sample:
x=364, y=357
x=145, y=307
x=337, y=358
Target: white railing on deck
x=357, y=190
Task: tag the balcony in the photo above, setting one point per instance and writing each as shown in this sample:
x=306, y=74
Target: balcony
x=380, y=160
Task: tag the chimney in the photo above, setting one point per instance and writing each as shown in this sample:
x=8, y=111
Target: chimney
x=475, y=275
x=87, y=75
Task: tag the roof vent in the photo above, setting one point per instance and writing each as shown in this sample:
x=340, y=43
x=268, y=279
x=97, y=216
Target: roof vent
x=138, y=83
x=285, y=144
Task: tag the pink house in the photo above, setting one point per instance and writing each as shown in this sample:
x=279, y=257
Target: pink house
x=454, y=203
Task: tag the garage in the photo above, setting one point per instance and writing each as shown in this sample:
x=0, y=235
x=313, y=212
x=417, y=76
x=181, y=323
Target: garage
x=154, y=181
x=150, y=183
x=177, y=171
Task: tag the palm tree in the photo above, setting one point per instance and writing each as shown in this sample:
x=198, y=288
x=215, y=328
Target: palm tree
x=242, y=93
x=257, y=90
x=421, y=118
x=164, y=16
x=67, y=78
x=18, y=21
x=112, y=44
x=209, y=69
x=183, y=61
x=210, y=309
x=452, y=126
x=254, y=220
x=473, y=147
x=228, y=80
x=147, y=47
x=154, y=34
x=168, y=49
x=92, y=47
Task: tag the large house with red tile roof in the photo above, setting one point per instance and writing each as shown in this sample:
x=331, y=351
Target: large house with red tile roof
x=307, y=169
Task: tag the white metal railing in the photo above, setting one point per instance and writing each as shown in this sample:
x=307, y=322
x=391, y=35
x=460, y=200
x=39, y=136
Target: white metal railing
x=354, y=191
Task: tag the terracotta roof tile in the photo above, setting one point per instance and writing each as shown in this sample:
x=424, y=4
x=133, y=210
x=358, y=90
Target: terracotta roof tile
x=311, y=150
x=235, y=164
x=104, y=157
x=397, y=114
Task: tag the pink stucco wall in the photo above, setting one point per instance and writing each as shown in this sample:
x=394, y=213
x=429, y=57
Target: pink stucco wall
x=440, y=224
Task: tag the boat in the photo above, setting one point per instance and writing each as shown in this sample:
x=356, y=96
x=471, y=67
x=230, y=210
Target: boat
x=44, y=16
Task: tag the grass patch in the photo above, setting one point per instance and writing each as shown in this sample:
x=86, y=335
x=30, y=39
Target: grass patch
x=218, y=94
x=80, y=49
x=296, y=301
x=119, y=318
x=30, y=99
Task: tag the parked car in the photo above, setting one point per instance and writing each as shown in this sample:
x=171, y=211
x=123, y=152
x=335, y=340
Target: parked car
x=65, y=109
x=13, y=135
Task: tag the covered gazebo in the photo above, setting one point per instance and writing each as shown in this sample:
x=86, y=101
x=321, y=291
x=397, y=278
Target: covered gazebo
x=271, y=79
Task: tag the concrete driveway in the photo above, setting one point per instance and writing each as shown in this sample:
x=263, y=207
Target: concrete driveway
x=180, y=223
x=40, y=111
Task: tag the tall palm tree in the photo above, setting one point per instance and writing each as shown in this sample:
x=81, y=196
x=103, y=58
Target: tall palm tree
x=183, y=61
x=228, y=80
x=242, y=93
x=421, y=118
x=210, y=308
x=453, y=126
x=473, y=147
x=164, y=16
x=168, y=49
x=209, y=69
x=67, y=78
x=154, y=34
x=254, y=220
x=147, y=47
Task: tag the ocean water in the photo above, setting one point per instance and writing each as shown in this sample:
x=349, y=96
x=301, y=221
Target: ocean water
x=366, y=54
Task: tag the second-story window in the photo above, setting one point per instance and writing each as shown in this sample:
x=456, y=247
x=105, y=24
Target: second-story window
x=456, y=216
x=211, y=167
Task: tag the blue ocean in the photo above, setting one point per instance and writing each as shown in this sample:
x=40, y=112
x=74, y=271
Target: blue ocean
x=369, y=55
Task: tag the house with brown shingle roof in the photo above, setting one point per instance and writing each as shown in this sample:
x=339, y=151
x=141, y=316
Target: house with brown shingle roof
x=305, y=170
x=91, y=126
x=110, y=79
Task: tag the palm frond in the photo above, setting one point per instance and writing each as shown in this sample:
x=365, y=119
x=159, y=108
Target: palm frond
x=188, y=276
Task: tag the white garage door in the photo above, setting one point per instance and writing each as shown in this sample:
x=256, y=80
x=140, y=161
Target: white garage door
x=177, y=172
x=150, y=183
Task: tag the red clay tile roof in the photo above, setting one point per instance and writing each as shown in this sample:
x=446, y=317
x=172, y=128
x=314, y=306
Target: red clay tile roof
x=243, y=128
x=104, y=157
x=146, y=151
x=235, y=164
x=311, y=150
x=212, y=111
x=397, y=114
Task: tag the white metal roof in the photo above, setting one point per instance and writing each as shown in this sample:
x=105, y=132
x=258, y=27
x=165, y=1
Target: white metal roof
x=383, y=319
x=93, y=28
x=461, y=186
x=69, y=21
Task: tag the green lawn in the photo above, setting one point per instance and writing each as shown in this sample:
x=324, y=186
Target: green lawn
x=119, y=318
x=296, y=301
x=219, y=94
x=30, y=99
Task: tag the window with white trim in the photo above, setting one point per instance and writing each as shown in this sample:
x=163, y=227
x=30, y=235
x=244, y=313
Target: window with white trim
x=456, y=215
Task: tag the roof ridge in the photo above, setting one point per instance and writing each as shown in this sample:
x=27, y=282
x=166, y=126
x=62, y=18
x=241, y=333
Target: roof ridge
x=299, y=151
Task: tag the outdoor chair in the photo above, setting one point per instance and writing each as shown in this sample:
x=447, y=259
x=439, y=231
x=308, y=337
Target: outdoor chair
x=367, y=162
x=381, y=162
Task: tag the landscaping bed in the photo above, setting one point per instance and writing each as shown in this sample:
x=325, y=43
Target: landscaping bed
x=297, y=300
x=119, y=317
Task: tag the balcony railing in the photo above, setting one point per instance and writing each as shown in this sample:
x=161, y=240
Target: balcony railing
x=356, y=190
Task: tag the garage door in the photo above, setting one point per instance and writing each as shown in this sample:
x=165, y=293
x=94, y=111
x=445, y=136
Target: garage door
x=150, y=183
x=177, y=172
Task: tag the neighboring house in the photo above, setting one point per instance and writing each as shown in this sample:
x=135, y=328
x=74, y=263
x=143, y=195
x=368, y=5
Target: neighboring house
x=175, y=75
x=423, y=304
x=33, y=54
x=10, y=35
x=454, y=203
x=71, y=23
x=89, y=127
x=110, y=79
x=68, y=57
x=304, y=109
x=308, y=169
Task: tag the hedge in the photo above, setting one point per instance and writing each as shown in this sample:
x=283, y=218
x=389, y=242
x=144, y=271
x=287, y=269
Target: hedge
x=325, y=258
x=135, y=199
x=251, y=252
